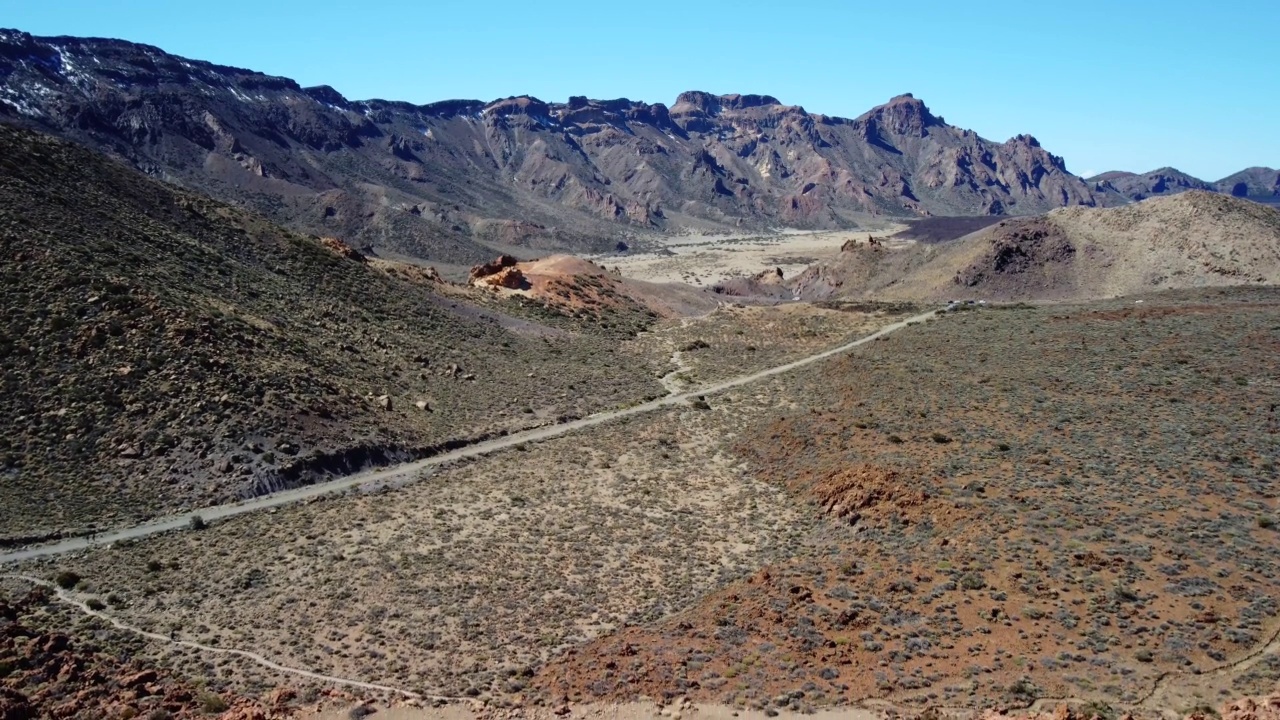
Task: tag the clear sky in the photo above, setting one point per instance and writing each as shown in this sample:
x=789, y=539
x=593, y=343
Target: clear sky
x=1123, y=84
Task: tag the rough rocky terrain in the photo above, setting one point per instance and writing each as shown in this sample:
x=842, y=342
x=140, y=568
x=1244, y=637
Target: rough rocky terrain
x=49, y=674
x=458, y=181
x=1069, y=502
x=1194, y=239
x=621, y=500
x=161, y=350
x=461, y=585
x=990, y=509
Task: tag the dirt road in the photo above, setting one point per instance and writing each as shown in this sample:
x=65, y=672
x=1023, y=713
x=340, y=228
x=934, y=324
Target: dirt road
x=417, y=469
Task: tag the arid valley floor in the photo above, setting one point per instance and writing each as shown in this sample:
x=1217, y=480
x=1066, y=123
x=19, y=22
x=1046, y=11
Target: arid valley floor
x=991, y=508
x=603, y=410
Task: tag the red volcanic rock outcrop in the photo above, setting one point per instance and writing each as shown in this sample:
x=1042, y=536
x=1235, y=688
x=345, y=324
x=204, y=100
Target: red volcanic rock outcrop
x=51, y=675
x=341, y=249
x=1262, y=708
x=499, y=273
x=510, y=278
x=491, y=268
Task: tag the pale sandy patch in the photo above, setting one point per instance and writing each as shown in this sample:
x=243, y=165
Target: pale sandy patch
x=705, y=260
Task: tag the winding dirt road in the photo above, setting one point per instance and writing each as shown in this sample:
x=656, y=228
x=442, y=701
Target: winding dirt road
x=70, y=599
x=1157, y=700
x=416, y=469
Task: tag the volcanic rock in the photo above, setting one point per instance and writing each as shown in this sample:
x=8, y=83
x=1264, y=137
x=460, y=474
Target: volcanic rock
x=491, y=268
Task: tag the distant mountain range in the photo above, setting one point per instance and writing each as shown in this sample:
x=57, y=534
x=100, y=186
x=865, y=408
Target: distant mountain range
x=1259, y=184
x=454, y=181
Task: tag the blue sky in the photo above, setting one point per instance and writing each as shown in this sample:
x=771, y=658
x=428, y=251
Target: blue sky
x=1129, y=84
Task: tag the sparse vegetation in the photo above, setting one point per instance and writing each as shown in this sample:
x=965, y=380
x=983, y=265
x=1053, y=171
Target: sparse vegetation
x=158, y=334
x=1099, y=710
x=988, y=508
x=1051, y=540
x=1019, y=555
x=212, y=703
x=67, y=579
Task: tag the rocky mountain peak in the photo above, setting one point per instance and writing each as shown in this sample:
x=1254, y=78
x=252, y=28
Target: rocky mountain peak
x=697, y=101
x=583, y=112
x=451, y=108
x=519, y=105
x=735, y=101
x=326, y=95
x=1027, y=140
x=704, y=104
x=902, y=115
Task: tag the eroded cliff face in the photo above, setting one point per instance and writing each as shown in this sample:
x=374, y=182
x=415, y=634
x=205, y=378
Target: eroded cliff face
x=447, y=180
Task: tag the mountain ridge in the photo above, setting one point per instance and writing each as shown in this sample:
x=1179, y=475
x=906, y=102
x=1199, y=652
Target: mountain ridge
x=459, y=180
x=1260, y=184
x=454, y=180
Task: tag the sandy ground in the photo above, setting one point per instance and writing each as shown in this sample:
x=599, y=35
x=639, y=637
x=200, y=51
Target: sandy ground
x=708, y=259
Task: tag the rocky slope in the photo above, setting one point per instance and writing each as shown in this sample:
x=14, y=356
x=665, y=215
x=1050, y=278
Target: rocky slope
x=1134, y=186
x=1194, y=239
x=1259, y=184
x=162, y=350
x=47, y=674
x=455, y=180
x=1022, y=503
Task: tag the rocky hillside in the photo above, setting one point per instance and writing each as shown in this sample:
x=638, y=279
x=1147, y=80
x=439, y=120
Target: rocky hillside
x=1194, y=239
x=1258, y=184
x=53, y=675
x=1134, y=186
x=455, y=180
x=162, y=350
